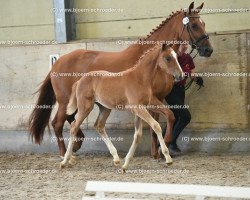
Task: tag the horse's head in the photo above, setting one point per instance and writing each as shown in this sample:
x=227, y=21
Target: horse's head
x=193, y=30
x=167, y=60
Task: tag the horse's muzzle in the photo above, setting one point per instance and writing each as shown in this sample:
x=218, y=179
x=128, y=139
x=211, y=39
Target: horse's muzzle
x=205, y=51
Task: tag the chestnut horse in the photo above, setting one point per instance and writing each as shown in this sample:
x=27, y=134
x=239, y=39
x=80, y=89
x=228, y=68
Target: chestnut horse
x=58, y=89
x=132, y=89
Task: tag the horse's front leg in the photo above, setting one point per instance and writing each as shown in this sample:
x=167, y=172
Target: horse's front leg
x=160, y=108
x=154, y=143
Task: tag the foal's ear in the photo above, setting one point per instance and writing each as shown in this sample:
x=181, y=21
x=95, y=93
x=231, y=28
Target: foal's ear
x=198, y=9
x=164, y=47
x=175, y=47
x=191, y=7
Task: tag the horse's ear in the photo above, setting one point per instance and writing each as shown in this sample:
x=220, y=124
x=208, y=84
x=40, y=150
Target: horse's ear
x=191, y=8
x=198, y=9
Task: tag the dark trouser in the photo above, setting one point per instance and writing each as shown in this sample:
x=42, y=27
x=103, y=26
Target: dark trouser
x=182, y=115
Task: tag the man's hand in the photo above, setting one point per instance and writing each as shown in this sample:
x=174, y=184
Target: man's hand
x=199, y=81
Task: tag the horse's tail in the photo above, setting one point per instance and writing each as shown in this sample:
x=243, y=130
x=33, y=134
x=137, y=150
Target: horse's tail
x=39, y=117
x=72, y=106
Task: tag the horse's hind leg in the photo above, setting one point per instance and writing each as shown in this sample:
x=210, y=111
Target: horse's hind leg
x=143, y=114
x=84, y=108
x=57, y=124
x=80, y=135
x=100, y=127
x=137, y=137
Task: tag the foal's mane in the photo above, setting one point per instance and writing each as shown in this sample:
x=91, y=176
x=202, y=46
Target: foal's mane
x=142, y=58
x=162, y=24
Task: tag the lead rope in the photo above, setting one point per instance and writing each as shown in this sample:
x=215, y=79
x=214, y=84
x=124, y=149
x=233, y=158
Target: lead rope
x=188, y=85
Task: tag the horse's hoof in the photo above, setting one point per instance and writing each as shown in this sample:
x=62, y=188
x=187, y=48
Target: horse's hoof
x=77, y=146
x=117, y=163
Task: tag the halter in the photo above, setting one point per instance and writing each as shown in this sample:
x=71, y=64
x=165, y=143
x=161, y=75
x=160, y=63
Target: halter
x=194, y=43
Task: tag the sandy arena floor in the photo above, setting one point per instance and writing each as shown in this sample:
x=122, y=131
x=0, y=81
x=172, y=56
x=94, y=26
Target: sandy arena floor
x=19, y=180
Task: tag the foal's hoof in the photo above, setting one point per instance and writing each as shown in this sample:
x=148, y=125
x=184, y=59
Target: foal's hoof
x=72, y=160
x=169, y=161
x=62, y=165
x=117, y=163
x=124, y=168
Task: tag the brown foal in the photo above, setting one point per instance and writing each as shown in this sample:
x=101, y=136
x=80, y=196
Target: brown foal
x=58, y=88
x=132, y=90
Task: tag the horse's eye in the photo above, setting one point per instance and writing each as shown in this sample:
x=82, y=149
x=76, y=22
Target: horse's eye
x=168, y=58
x=195, y=26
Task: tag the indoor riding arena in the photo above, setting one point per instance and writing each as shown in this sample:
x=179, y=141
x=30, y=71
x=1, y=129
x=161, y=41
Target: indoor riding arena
x=112, y=99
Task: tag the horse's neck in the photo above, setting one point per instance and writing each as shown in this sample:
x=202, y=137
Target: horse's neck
x=146, y=68
x=167, y=32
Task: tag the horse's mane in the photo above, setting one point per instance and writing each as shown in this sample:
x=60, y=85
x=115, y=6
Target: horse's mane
x=162, y=24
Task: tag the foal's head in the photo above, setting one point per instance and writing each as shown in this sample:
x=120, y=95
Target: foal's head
x=167, y=60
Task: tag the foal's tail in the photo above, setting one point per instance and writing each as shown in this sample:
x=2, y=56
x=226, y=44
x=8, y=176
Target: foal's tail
x=39, y=117
x=72, y=105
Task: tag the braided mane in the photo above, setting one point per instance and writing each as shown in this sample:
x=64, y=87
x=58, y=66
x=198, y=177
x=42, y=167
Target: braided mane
x=151, y=33
x=163, y=23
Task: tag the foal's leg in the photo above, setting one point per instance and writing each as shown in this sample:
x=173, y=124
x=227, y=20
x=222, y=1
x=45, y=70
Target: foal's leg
x=137, y=137
x=57, y=124
x=84, y=108
x=80, y=135
x=100, y=128
x=143, y=114
x=154, y=145
x=168, y=114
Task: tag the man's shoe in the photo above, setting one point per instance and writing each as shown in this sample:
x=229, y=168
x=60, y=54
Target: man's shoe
x=174, y=147
x=174, y=150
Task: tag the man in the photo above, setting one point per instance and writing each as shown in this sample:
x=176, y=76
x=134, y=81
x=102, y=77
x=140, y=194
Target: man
x=177, y=98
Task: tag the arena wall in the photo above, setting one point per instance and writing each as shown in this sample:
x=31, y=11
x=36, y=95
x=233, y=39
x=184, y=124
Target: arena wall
x=222, y=103
x=26, y=20
x=30, y=20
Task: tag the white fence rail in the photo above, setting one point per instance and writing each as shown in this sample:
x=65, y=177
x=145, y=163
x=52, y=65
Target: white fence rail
x=198, y=191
